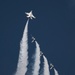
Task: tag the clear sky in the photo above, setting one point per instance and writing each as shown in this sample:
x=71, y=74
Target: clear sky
x=53, y=28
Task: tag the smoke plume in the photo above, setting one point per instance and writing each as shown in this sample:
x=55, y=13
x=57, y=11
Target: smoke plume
x=23, y=54
x=55, y=72
x=46, y=67
x=36, y=65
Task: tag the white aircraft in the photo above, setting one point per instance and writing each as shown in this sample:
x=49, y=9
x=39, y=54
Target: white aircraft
x=52, y=66
x=30, y=15
x=33, y=39
x=41, y=53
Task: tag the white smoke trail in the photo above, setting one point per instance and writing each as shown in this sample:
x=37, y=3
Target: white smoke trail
x=56, y=72
x=23, y=55
x=46, y=66
x=36, y=66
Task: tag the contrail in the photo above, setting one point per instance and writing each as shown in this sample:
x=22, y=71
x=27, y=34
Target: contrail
x=23, y=54
x=46, y=67
x=36, y=65
x=56, y=72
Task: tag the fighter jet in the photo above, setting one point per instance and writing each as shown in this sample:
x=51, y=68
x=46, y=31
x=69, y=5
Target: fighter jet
x=33, y=39
x=30, y=15
x=52, y=66
x=41, y=53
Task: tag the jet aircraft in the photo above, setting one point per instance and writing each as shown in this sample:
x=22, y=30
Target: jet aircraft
x=30, y=15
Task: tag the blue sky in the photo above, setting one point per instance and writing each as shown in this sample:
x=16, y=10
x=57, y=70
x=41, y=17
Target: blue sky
x=53, y=28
